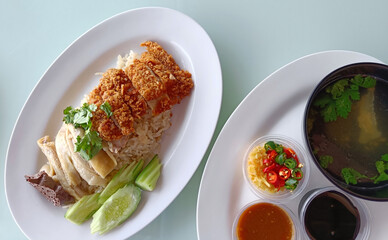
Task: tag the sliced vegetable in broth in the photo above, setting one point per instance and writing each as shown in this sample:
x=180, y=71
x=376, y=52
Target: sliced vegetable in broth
x=347, y=129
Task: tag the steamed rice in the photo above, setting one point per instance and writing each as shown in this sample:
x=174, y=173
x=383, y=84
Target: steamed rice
x=144, y=143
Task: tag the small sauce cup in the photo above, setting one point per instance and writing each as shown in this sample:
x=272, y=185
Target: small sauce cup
x=274, y=221
x=363, y=215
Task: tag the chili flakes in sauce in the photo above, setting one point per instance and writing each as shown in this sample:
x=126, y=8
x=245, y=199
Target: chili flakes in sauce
x=264, y=221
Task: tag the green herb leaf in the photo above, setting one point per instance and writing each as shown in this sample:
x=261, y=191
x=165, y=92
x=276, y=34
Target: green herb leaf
x=381, y=177
x=69, y=114
x=90, y=144
x=381, y=167
x=338, y=88
x=343, y=105
x=384, y=157
x=322, y=101
x=353, y=92
x=365, y=82
x=79, y=117
x=325, y=160
x=337, y=98
x=351, y=175
x=107, y=109
x=329, y=113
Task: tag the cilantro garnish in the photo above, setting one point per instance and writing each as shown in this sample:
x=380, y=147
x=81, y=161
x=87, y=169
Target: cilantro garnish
x=381, y=167
x=336, y=100
x=89, y=144
x=351, y=175
x=79, y=117
x=106, y=108
x=365, y=82
x=325, y=160
x=384, y=157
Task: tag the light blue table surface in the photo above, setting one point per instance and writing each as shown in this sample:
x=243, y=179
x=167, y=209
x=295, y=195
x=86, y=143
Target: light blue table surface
x=253, y=39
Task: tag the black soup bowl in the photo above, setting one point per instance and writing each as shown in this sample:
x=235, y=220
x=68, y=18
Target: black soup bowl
x=346, y=129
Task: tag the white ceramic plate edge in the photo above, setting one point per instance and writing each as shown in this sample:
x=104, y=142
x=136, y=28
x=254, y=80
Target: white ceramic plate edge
x=203, y=231
x=217, y=97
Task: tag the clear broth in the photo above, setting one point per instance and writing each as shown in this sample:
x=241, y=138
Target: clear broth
x=357, y=141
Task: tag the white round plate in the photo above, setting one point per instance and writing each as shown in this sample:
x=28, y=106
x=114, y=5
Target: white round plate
x=275, y=106
x=72, y=76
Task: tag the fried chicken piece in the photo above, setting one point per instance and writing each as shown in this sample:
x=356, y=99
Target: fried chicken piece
x=154, y=80
x=105, y=126
x=184, y=77
x=122, y=114
x=165, y=76
x=117, y=80
x=149, y=86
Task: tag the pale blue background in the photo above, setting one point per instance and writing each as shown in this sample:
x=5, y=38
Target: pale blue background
x=253, y=39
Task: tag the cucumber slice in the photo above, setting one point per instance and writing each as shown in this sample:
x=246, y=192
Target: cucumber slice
x=123, y=176
x=149, y=176
x=83, y=209
x=116, y=209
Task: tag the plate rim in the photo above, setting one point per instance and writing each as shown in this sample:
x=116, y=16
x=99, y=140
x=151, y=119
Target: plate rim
x=264, y=81
x=217, y=97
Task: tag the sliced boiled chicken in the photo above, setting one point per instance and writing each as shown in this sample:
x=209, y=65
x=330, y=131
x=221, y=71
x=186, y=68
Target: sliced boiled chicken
x=48, y=149
x=65, y=158
x=83, y=167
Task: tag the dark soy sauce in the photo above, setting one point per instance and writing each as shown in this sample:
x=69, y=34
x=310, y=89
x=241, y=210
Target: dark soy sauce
x=331, y=215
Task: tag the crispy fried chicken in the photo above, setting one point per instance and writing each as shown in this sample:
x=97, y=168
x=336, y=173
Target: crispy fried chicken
x=154, y=81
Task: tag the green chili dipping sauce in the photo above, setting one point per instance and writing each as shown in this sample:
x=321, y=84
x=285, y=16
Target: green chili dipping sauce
x=265, y=221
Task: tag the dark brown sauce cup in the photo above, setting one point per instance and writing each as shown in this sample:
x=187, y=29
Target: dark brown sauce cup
x=329, y=213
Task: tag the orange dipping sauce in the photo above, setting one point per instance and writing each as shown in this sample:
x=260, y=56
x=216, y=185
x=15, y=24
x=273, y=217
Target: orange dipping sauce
x=264, y=221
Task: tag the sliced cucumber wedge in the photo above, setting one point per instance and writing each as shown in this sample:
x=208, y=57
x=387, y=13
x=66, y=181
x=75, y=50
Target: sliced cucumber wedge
x=124, y=176
x=116, y=209
x=149, y=176
x=83, y=209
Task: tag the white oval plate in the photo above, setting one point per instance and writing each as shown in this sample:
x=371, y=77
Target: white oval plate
x=73, y=74
x=275, y=106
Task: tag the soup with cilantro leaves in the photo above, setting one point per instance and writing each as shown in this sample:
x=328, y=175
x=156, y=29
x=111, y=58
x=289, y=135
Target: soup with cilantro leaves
x=347, y=127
